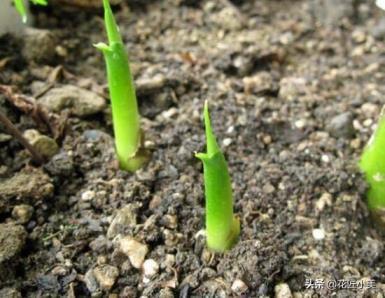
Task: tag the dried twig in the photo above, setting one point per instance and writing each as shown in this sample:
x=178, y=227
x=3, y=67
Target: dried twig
x=13, y=130
x=53, y=123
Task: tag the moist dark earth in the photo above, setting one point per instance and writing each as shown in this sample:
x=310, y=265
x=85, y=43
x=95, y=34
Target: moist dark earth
x=295, y=89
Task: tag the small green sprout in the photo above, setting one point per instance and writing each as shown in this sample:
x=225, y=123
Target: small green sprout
x=222, y=228
x=372, y=163
x=125, y=116
x=20, y=7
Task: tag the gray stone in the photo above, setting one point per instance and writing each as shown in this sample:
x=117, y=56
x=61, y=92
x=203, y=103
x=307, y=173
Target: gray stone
x=91, y=282
x=341, y=126
x=82, y=102
x=331, y=12
x=39, y=45
x=372, y=250
x=378, y=31
x=60, y=164
x=12, y=240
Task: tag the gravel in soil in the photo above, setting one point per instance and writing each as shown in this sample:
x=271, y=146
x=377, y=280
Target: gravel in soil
x=294, y=97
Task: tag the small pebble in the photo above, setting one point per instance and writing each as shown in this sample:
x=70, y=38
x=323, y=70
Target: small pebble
x=125, y=217
x=355, y=143
x=82, y=102
x=368, y=122
x=135, y=250
x=300, y=123
x=46, y=146
x=170, y=221
x=22, y=213
x=166, y=293
x=268, y=188
x=106, y=276
x=267, y=139
x=370, y=110
x=341, y=125
x=88, y=195
x=282, y=291
x=150, y=267
x=318, y=234
x=91, y=282
x=226, y=142
x=169, y=261
x=324, y=200
x=39, y=45
x=59, y=271
x=239, y=287
x=325, y=158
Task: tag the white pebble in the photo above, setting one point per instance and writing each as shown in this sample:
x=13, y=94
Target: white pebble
x=318, y=234
x=88, y=195
x=230, y=129
x=368, y=122
x=282, y=291
x=227, y=142
x=300, y=123
x=150, y=268
x=239, y=287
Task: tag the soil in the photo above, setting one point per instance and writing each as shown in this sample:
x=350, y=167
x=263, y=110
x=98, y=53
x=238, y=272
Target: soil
x=293, y=102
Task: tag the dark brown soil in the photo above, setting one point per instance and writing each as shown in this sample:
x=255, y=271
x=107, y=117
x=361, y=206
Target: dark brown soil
x=293, y=101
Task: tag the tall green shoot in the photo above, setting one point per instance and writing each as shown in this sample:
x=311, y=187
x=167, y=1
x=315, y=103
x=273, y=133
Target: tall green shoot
x=125, y=116
x=20, y=7
x=222, y=227
x=372, y=163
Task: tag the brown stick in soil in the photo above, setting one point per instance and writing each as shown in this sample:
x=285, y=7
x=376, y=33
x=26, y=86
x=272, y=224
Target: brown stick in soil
x=13, y=130
x=53, y=123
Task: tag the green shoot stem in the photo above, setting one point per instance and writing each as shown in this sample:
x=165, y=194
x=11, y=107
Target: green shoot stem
x=125, y=116
x=372, y=163
x=20, y=7
x=222, y=228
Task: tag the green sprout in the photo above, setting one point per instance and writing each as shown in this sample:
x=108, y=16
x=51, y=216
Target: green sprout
x=222, y=228
x=125, y=116
x=372, y=163
x=20, y=7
